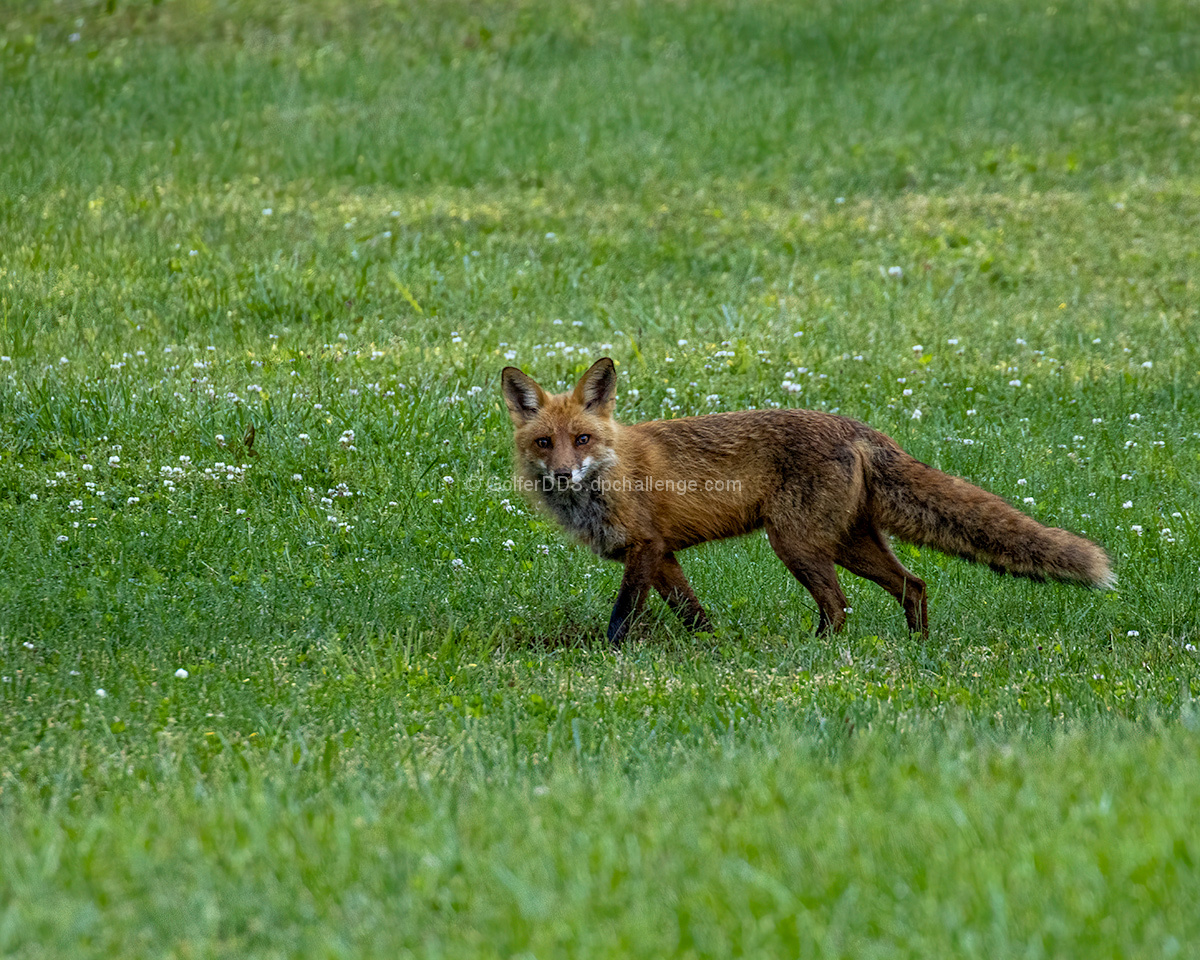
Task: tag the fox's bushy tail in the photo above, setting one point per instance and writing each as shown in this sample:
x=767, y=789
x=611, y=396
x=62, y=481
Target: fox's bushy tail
x=926, y=507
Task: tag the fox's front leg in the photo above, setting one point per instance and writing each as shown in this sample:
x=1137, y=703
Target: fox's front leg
x=642, y=564
x=675, y=589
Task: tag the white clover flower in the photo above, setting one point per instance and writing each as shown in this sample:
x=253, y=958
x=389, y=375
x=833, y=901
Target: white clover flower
x=1135, y=416
x=101, y=692
x=1133, y=633
x=1014, y=383
x=916, y=414
x=508, y=545
x=917, y=348
x=1028, y=500
x=181, y=674
x=114, y=460
x=1127, y=505
x=457, y=563
x=303, y=438
x=1136, y=528
x=1022, y=482
x=906, y=392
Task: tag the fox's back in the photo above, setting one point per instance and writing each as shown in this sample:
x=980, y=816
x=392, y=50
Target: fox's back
x=774, y=442
x=722, y=474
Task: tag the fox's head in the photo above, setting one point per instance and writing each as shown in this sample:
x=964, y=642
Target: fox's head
x=563, y=439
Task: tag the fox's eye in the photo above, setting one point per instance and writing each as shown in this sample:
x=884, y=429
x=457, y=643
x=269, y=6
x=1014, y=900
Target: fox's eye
x=582, y=439
x=543, y=442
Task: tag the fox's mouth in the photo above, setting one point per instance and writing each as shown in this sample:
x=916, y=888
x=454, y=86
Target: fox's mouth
x=562, y=481
x=579, y=477
x=553, y=480
x=551, y=483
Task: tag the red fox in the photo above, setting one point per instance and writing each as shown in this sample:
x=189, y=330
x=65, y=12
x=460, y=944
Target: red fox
x=827, y=489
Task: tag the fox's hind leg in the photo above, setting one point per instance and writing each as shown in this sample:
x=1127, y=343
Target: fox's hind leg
x=675, y=589
x=812, y=565
x=867, y=553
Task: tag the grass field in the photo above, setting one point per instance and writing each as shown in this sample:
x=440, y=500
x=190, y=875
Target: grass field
x=336, y=691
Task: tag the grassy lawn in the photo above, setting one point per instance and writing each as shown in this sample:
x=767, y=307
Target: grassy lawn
x=287, y=669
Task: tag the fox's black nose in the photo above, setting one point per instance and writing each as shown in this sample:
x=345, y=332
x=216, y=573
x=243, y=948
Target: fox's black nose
x=562, y=478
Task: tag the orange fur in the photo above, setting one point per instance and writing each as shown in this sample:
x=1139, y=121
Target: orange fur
x=827, y=489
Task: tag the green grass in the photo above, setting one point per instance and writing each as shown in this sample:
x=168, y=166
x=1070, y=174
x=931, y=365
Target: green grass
x=396, y=728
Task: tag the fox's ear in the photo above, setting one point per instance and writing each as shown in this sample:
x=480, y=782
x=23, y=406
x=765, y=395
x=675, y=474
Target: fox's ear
x=523, y=397
x=598, y=387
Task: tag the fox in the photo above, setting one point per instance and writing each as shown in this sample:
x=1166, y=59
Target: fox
x=828, y=490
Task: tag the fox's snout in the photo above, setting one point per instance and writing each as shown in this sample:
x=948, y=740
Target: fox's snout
x=562, y=479
x=568, y=476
